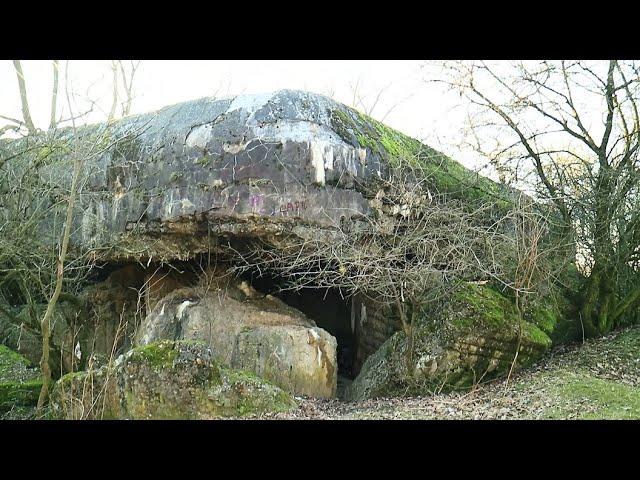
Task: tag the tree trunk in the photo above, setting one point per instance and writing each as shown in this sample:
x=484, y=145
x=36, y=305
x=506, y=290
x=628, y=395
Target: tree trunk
x=599, y=307
x=46, y=320
x=623, y=306
x=54, y=96
x=114, y=95
x=589, y=304
x=26, y=115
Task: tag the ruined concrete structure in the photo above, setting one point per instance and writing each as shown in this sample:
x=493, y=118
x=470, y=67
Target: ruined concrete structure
x=254, y=165
x=169, y=186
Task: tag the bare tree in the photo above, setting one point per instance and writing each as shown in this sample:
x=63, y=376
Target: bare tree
x=128, y=74
x=368, y=104
x=15, y=125
x=66, y=235
x=41, y=178
x=53, y=122
x=123, y=81
x=534, y=266
x=571, y=130
x=27, y=122
x=124, y=73
x=114, y=95
x=26, y=114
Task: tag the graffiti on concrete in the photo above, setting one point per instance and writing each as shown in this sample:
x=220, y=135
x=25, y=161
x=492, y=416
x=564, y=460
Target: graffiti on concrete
x=293, y=206
x=257, y=202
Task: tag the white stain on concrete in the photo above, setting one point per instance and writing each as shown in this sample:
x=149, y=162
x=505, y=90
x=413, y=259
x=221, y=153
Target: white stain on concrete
x=317, y=160
x=316, y=340
x=327, y=149
x=187, y=204
x=296, y=131
x=199, y=136
x=168, y=205
x=251, y=103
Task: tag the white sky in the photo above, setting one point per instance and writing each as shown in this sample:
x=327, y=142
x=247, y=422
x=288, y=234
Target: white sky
x=422, y=110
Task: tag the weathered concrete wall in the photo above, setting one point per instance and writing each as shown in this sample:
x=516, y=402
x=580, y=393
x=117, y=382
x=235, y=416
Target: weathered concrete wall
x=169, y=184
x=256, y=165
x=373, y=324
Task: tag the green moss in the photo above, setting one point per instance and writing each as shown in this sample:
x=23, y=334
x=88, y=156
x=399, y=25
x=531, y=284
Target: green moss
x=579, y=395
x=44, y=152
x=484, y=308
x=250, y=394
x=231, y=394
x=175, y=176
x=141, y=407
x=479, y=308
x=19, y=384
x=69, y=378
x=205, y=161
x=473, y=336
x=21, y=412
x=555, y=315
x=158, y=355
x=19, y=393
x=535, y=335
x=445, y=174
x=377, y=137
x=9, y=360
x=545, y=317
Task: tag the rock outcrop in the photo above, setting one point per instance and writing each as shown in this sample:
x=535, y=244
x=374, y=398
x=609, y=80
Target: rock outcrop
x=165, y=380
x=474, y=338
x=249, y=331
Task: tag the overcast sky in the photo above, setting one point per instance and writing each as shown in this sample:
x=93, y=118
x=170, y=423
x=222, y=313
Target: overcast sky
x=407, y=102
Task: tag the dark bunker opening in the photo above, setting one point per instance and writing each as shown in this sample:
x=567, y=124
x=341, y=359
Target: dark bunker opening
x=328, y=309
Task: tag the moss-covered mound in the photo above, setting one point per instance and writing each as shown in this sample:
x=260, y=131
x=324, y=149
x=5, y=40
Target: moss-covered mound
x=396, y=149
x=165, y=380
x=19, y=383
x=254, y=165
x=474, y=337
x=555, y=315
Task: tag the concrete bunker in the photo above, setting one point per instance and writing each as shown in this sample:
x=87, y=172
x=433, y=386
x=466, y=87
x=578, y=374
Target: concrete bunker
x=176, y=184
